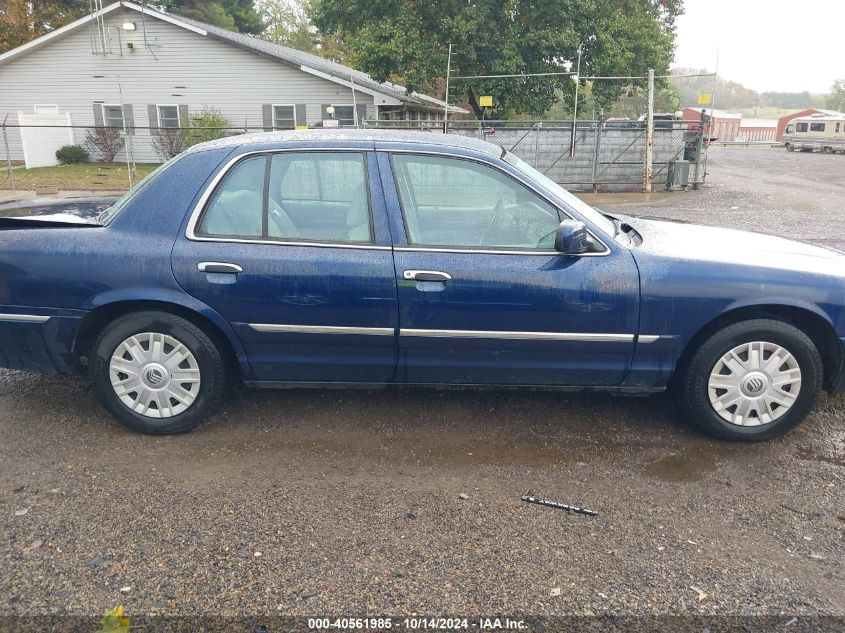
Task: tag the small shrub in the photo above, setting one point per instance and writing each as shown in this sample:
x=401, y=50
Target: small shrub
x=168, y=142
x=71, y=154
x=206, y=125
x=105, y=142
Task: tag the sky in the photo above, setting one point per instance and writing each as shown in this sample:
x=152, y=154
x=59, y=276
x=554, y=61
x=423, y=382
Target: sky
x=766, y=44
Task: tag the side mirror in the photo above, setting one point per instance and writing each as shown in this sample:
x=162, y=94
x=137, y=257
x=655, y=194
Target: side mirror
x=572, y=238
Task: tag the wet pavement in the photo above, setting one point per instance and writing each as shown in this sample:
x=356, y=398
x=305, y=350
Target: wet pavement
x=348, y=503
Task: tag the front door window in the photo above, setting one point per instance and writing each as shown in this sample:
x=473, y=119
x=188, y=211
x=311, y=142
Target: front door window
x=461, y=203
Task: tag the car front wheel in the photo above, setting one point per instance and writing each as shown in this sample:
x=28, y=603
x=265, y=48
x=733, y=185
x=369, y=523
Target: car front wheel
x=158, y=373
x=752, y=381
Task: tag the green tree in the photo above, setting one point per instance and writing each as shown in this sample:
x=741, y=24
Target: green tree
x=235, y=15
x=836, y=99
x=288, y=22
x=407, y=42
x=23, y=20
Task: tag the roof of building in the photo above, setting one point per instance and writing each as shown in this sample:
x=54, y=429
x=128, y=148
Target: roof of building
x=746, y=123
x=352, y=135
x=306, y=62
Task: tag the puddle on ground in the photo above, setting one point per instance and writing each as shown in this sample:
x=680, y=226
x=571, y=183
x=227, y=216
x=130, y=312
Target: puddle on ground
x=830, y=448
x=682, y=467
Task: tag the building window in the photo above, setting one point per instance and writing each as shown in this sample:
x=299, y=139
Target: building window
x=345, y=114
x=284, y=117
x=817, y=127
x=802, y=127
x=837, y=127
x=168, y=116
x=113, y=115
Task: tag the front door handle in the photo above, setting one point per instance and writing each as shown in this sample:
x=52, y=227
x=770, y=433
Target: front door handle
x=427, y=275
x=219, y=267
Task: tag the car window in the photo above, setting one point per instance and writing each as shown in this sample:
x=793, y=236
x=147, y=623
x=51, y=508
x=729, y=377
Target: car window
x=236, y=209
x=312, y=196
x=456, y=202
x=319, y=196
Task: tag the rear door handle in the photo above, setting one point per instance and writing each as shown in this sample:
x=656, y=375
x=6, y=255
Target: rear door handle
x=219, y=267
x=427, y=275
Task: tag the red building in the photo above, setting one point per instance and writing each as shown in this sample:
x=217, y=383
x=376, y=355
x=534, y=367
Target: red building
x=724, y=126
x=757, y=130
x=784, y=120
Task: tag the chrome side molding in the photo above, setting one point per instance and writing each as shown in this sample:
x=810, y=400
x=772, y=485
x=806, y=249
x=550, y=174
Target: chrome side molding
x=25, y=318
x=537, y=336
x=322, y=329
x=586, y=337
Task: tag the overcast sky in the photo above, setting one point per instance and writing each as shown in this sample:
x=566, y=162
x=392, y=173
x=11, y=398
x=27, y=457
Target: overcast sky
x=766, y=44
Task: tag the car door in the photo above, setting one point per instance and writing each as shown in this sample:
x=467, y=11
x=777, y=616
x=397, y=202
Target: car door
x=292, y=249
x=483, y=295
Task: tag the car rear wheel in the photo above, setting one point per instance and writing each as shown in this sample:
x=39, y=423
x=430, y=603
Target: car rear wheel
x=158, y=373
x=752, y=381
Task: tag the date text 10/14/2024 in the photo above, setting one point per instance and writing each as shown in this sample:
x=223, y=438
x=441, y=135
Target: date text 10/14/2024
x=416, y=624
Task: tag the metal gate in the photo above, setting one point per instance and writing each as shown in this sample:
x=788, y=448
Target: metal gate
x=607, y=156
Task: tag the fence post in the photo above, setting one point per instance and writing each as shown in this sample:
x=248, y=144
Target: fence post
x=8, y=155
x=649, y=135
x=537, y=127
x=699, y=149
x=597, y=154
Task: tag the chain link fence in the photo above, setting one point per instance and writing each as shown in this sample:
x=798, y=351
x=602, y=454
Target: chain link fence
x=53, y=159
x=605, y=156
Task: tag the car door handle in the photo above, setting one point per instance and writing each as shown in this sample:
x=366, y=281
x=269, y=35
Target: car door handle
x=219, y=267
x=427, y=275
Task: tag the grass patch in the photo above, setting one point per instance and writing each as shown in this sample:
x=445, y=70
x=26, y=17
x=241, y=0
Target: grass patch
x=78, y=177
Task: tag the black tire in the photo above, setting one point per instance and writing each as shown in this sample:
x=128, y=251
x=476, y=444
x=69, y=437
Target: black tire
x=213, y=371
x=790, y=147
x=693, y=387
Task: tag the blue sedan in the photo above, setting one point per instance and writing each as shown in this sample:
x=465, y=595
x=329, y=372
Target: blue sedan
x=368, y=259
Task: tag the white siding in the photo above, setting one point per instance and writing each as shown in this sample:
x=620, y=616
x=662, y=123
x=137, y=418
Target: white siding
x=179, y=67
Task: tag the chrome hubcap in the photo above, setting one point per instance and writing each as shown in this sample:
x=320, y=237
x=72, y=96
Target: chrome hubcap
x=754, y=383
x=155, y=375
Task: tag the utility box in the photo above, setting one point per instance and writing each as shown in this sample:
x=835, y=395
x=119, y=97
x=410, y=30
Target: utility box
x=678, y=175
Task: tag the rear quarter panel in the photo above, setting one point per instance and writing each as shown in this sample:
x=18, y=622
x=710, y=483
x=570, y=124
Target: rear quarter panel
x=63, y=273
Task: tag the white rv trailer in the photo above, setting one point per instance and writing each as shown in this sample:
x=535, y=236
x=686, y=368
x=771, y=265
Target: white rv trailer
x=824, y=133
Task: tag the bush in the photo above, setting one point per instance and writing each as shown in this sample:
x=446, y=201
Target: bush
x=71, y=154
x=106, y=142
x=207, y=125
x=168, y=142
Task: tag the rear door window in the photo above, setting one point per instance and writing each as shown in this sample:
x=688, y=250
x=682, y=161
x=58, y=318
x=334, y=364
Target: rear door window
x=301, y=196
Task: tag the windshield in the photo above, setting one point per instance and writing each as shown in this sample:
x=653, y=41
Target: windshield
x=109, y=214
x=596, y=217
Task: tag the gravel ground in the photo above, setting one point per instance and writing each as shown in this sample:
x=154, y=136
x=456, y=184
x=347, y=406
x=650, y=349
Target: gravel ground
x=352, y=503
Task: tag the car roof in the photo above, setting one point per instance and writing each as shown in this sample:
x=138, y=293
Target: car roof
x=352, y=138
